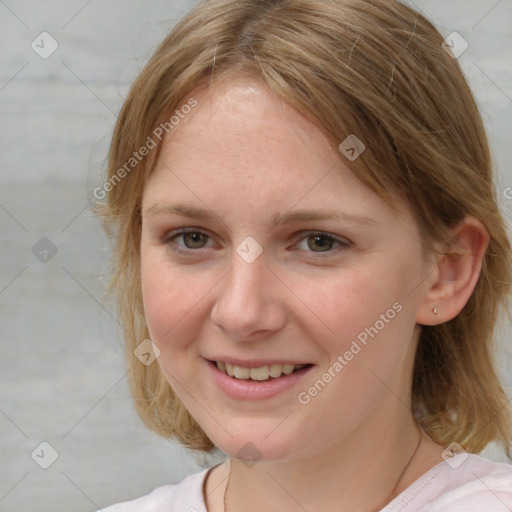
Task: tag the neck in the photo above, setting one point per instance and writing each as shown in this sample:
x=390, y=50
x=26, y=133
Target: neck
x=362, y=474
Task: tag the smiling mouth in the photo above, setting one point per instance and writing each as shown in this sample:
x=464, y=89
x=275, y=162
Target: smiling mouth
x=262, y=373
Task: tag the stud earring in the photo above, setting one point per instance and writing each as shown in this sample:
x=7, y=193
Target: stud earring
x=435, y=310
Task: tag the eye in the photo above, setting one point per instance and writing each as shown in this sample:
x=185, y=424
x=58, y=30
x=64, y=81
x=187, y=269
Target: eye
x=192, y=239
x=319, y=242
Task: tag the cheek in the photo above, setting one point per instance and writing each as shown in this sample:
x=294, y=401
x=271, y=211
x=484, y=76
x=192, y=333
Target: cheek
x=350, y=303
x=161, y=296
x=172, y=297
x=366, y=317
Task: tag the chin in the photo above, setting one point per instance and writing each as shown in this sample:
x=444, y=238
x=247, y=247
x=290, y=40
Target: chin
x=255, y=445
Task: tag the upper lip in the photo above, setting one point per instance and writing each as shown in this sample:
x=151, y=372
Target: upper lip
x=255, y=363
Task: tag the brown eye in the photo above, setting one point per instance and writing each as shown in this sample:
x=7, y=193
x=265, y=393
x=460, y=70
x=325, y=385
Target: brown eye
x=194, y=239
x=320, y=242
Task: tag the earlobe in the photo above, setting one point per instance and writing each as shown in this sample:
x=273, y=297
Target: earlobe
x=456, y=273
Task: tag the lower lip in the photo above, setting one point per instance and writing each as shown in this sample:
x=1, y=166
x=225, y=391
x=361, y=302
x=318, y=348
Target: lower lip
x=255, y=390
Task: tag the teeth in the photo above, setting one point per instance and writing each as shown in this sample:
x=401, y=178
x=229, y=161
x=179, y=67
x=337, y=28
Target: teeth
x=241, y=373
x=275, y=370
x=260, y=373
x=288, y=368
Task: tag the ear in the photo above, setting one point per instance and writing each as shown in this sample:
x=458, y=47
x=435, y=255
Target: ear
x=454, y=278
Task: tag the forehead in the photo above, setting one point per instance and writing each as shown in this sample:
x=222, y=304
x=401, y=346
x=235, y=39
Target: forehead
x=243, y=141
x=239, y=121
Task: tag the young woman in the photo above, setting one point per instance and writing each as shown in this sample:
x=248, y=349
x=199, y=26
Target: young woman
x=302, y=201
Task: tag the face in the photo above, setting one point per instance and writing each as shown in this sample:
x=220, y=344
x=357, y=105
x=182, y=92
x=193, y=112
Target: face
x=262, y=250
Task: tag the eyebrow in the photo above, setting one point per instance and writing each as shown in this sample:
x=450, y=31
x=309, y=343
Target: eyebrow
x=179, y=209
x=305, y=215
x=288, y=218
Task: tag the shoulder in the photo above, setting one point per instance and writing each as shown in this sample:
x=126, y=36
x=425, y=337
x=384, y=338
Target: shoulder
x=153, y=502
x=185, y=496
x=477, y=483
x=463, y=483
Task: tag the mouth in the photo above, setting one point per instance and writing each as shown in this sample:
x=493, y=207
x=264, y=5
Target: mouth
x=260, y=374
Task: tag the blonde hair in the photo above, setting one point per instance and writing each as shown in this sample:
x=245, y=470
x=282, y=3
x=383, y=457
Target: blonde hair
x=374, y=68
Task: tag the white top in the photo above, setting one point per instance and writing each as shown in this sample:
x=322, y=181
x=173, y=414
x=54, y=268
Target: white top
x=463, y=483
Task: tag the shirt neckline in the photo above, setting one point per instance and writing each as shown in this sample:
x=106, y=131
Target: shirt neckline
x=398, y=503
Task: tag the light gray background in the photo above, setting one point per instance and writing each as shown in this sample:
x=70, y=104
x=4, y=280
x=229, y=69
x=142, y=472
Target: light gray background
x=62, y=375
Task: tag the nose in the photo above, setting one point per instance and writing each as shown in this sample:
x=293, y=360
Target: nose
x=250, y=301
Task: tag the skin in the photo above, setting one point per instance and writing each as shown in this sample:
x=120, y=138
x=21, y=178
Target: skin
x=247, y=157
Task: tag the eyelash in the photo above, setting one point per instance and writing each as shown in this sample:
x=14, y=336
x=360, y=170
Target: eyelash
x=168, y=240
